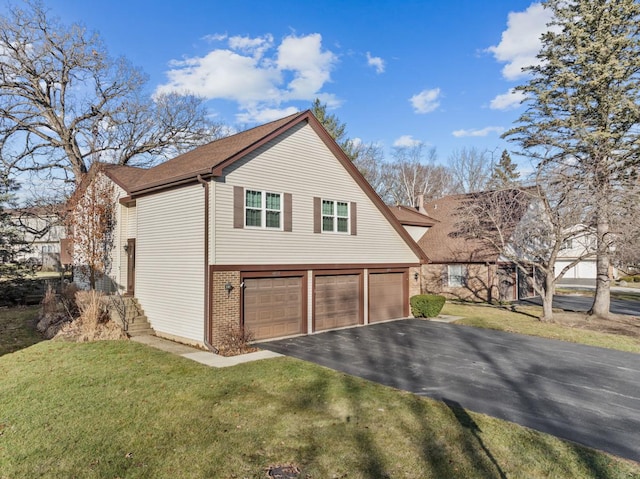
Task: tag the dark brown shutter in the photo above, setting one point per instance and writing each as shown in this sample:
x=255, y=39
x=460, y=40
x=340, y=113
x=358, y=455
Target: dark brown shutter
x=238, y=207
x=354, y=219
x=445, y=276
x=288, y=212
x=317, y=215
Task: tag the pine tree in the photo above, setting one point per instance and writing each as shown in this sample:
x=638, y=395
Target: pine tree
x=336, y=128
x=504, y=173
x=583, y=110
x=12, y=273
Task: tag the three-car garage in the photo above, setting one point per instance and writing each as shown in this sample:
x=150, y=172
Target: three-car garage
x=285, y=303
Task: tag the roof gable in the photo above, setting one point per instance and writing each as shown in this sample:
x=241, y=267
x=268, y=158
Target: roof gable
x=211, y=159
x=411, y=217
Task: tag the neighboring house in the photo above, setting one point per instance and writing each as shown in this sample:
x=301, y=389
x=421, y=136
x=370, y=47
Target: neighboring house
x=581, y=247
x=460, y=266
x=42, y=229
x=272, y=229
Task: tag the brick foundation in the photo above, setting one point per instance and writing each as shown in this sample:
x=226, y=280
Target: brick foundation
x=225, y=307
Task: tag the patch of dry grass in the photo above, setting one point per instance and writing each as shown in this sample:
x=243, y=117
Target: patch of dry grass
x=94, y=322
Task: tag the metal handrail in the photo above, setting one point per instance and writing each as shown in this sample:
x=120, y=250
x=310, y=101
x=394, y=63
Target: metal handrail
x=119, y=304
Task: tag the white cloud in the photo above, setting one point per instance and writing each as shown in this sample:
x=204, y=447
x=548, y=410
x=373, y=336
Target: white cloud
x=252, y=46
x=264, y=115
x=520, y=42
x=406, y=140
x=375, y=62
x=215, y=37
x=310, y=65
x=508, y=101
x=257, y=74
x=426, y=101
x=483, y=132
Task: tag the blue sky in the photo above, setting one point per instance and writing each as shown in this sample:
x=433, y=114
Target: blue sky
x=396, y=72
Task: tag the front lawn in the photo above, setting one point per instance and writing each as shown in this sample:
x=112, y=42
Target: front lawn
x=121, y=409
x=573, y=327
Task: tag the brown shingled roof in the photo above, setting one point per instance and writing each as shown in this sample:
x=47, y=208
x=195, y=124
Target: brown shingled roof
x=411, y=217
x=444, y=242
x=124, y=176
x=204, y=159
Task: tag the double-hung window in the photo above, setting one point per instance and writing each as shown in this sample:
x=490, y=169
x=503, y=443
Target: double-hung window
x=335, y=216
x=457, y=275
x=263, y=209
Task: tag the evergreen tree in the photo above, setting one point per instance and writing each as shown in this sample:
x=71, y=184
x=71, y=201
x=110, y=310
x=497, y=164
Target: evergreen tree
x=11, y=244
x=583, y=111
x=504, y=173
x=336, y=128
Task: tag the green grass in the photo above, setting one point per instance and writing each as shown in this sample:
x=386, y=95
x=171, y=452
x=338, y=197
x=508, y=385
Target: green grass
x=17, y=329
x=526, y=322
x=121, y=409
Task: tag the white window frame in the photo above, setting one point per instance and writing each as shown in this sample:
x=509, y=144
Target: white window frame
x=456, y=279
x=334, y=215
x=263, y=210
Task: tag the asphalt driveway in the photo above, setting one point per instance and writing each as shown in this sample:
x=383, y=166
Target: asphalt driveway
x=580, y=393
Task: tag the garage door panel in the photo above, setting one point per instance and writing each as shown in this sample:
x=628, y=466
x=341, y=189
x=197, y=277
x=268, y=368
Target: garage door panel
x=386, y=296
x=273, y=306
x=337, y=301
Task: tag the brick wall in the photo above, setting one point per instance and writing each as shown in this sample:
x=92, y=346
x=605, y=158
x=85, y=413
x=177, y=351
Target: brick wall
x=414, y=284
x=479, y=285
x=225, y=307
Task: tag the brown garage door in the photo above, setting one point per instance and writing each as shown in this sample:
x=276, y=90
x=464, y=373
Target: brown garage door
x=386, y=296
x=337, y=301
x=273, y=306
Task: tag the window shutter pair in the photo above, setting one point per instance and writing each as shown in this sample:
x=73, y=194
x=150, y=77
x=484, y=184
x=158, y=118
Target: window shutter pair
x=317, y=216
x=238, y=209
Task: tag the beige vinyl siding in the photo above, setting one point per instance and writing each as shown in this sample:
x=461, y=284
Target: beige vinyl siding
x=169, y=264
x=416, y=232
x=299, y=163
x=122, y=228
x=132, y=225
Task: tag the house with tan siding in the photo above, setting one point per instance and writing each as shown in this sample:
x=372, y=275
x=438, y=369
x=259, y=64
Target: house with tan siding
x=460, y=266
x=272, y=230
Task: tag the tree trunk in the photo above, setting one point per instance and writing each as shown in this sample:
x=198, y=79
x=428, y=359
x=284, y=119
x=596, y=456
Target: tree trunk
x=547, y=297
x=602, y=299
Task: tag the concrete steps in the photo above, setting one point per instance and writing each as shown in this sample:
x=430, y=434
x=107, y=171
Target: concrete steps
x=140, y=326
x=135, y=322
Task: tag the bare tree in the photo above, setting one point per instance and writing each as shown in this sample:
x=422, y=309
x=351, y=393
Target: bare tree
x=64, y=102
x=414, y=172
x=369, y=159
x=530, y=227
x=471, y=169
x=626, y=227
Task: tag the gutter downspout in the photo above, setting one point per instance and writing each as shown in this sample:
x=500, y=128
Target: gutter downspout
x=206, y=266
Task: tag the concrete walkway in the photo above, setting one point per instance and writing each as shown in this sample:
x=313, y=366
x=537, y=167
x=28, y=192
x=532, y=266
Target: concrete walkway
x=203, y=357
